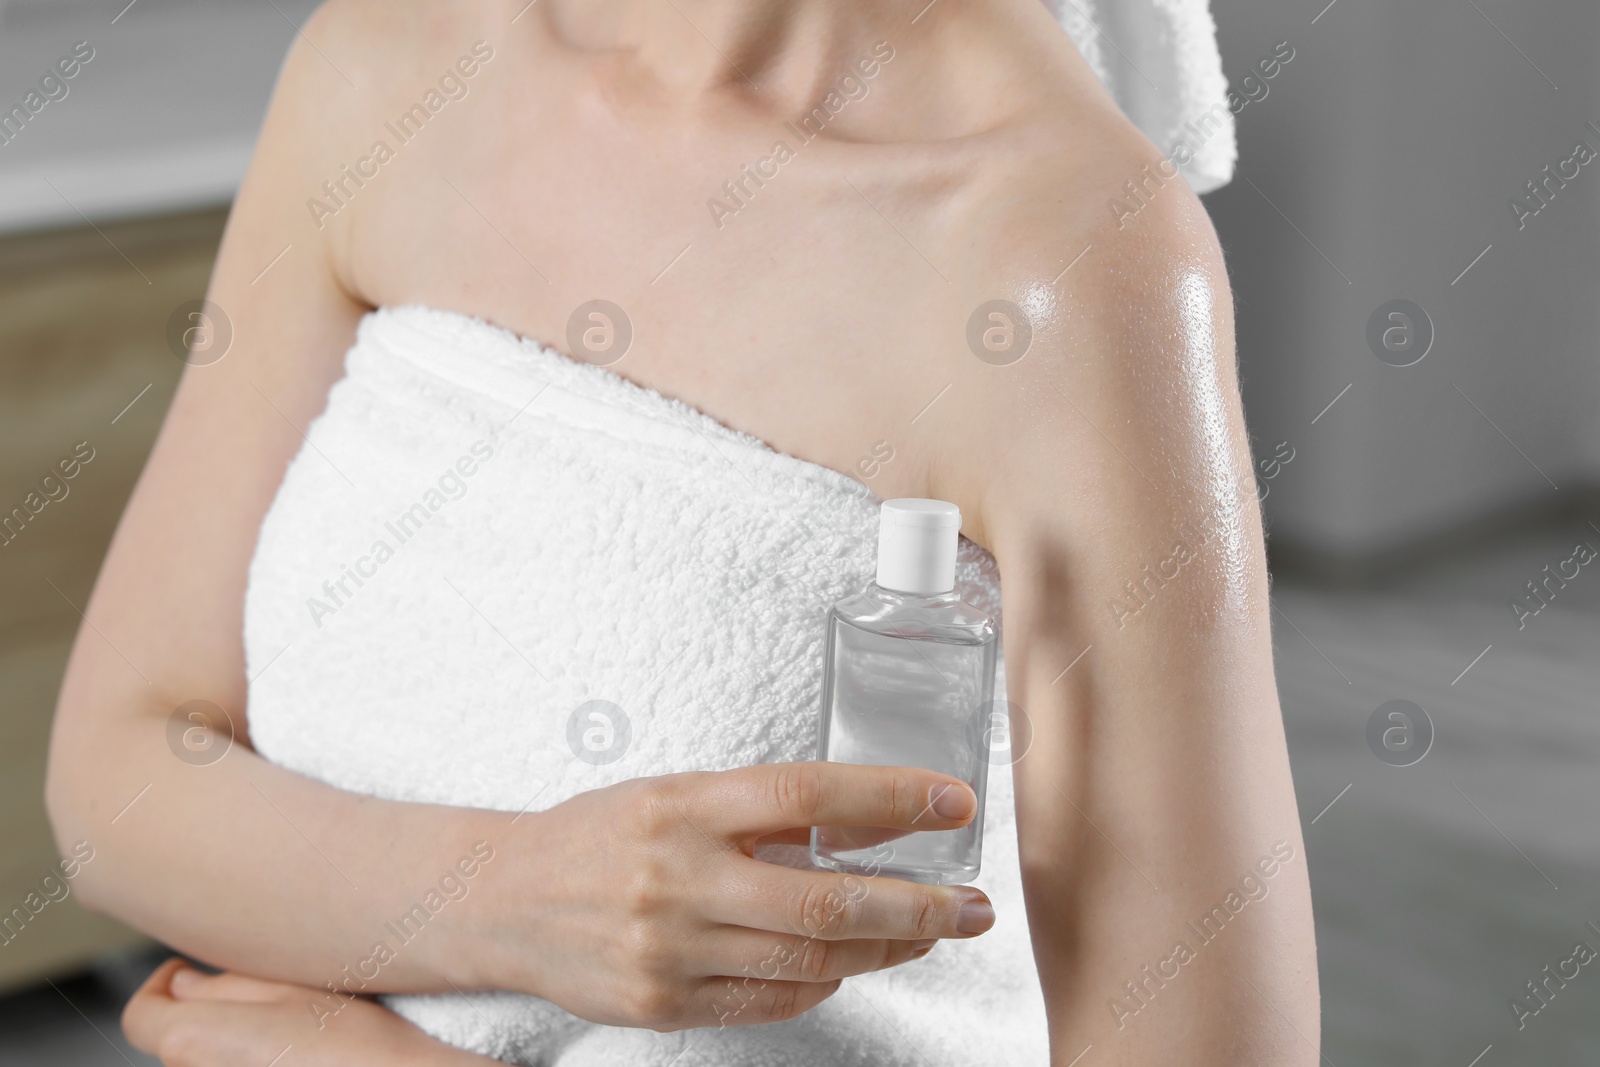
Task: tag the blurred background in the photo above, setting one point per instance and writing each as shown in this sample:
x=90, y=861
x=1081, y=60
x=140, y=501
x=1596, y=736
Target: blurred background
x=1412, y=238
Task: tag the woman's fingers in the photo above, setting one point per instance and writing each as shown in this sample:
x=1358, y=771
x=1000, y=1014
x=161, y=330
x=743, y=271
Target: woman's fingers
x=190, y=984
x=741, y=953
x=149, y=1012
x=838, y=907
x=753, y=802
x=192, y=1031
x=189, y=1019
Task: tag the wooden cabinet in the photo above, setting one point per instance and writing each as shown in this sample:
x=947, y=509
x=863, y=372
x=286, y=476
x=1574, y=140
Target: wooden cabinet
x=83, y=335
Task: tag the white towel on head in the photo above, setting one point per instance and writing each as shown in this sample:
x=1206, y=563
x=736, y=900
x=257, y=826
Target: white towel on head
x=442, y=582
x=1159, y=60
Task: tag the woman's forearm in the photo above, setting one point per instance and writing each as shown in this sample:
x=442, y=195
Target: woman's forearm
x=624, y=905
x=248, y=866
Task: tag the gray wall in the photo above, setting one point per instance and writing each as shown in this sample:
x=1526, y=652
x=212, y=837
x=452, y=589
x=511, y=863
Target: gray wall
x=163, y=117
x=1392, y=143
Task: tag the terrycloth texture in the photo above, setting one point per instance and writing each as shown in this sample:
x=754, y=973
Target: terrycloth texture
x=1160, y=61
x=618, y=545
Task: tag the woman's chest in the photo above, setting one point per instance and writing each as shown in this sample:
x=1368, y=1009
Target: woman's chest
x=791, y=309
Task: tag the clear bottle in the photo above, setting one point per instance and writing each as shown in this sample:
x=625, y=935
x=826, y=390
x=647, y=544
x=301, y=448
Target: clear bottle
x=908, y=681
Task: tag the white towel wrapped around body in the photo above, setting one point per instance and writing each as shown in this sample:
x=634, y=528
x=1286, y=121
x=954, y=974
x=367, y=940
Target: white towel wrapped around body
x=607, y=543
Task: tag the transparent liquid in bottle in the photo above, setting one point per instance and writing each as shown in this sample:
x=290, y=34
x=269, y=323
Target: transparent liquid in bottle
x=908, y=681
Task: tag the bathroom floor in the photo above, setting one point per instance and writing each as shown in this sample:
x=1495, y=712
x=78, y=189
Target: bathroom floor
x=1441, y=888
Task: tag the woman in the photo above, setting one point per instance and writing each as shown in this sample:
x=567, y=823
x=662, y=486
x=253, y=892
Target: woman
x=927, y=276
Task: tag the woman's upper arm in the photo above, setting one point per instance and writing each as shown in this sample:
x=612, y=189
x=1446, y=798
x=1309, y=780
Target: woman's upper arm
x=1109, y=472
x=167, y=610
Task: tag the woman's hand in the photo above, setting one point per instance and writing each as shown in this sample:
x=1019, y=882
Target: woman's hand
x=190, y=1019
x=641, y=904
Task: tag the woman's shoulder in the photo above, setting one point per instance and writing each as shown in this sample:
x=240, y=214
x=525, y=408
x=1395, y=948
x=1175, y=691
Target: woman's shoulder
x=354, y=58
x=380, y=37
x=360, y=81
x=1091, y=323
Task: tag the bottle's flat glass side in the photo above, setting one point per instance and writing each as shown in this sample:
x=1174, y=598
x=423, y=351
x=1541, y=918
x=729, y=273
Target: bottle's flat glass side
x=907, y=681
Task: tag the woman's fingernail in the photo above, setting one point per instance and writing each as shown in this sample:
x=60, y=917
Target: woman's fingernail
x=920, y=948
x=975, y=917
x=184, y=978
x=952, y=802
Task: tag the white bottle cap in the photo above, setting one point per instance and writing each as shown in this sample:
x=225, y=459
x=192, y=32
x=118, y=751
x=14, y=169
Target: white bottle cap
x=917, y=545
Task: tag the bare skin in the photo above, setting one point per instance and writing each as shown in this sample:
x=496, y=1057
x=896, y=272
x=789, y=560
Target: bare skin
x=827, y=314
x=191, y=1019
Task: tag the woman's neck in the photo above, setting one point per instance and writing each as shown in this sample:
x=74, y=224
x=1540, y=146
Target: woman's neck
x=788, y=53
